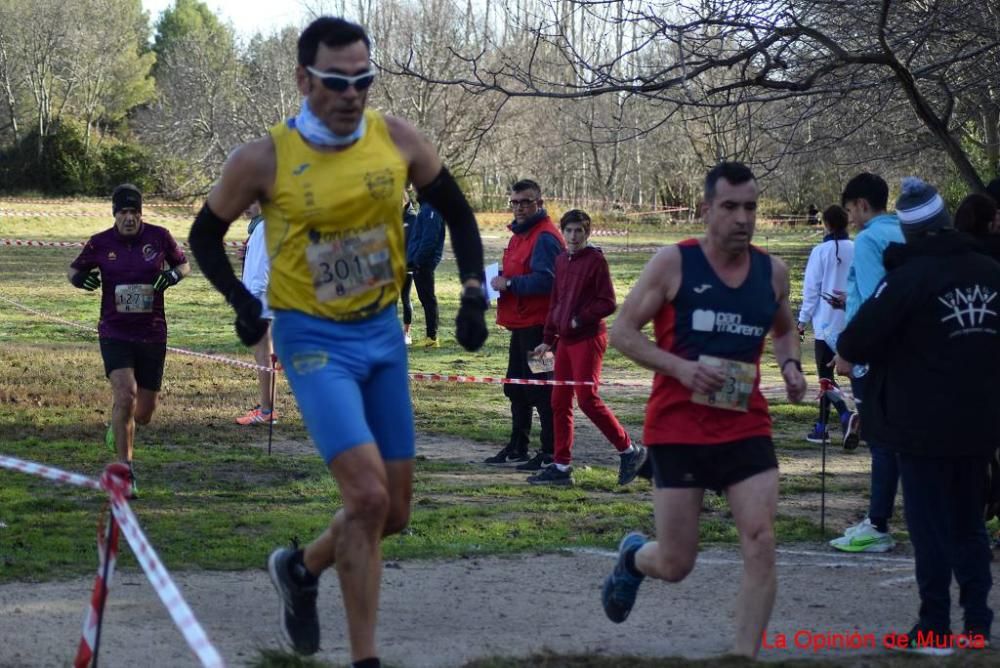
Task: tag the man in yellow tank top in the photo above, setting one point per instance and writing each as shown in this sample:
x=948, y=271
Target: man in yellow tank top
x=330, y=181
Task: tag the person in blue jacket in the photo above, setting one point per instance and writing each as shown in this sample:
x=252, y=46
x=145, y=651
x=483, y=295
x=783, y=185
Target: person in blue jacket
x=424, y=247
x=866, y=198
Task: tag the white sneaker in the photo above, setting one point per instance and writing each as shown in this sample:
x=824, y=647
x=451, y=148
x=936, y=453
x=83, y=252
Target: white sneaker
x=864, y=537
x=408, y=339
x=850, y=531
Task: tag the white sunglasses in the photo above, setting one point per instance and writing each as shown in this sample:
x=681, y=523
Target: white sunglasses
x=341, y=82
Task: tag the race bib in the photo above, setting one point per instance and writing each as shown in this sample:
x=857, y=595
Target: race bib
x=134, y=298
x=350, y=265
x=735, y=393
x=541, y=363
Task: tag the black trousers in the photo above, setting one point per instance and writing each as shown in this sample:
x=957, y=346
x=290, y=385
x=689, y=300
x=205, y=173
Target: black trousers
x=424, y=280
x=525, y=397
x=943, y=501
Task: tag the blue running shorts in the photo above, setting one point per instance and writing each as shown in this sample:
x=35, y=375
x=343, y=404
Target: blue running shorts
x=350, y=381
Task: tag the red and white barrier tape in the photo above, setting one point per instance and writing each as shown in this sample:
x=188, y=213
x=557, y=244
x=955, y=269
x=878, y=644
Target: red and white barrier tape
x=86, y=202
x=577, y=200
x=180, y=351
x=78, y=244
x=490, y=380
x=107, y=557
x=15, y=213
x=770, y=391
x=31, y=242
x=256, y=367
x=115, y=482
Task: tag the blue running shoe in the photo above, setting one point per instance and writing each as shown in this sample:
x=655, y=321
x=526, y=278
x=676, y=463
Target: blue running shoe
x=818, y=433
x=621, y=587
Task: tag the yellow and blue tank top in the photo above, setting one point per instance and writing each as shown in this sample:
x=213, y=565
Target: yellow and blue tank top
x=334, y=224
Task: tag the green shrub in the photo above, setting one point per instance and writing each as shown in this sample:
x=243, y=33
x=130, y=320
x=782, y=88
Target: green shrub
x=67, y=166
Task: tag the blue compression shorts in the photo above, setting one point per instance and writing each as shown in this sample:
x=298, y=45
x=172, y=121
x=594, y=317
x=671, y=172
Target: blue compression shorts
x=350, y=381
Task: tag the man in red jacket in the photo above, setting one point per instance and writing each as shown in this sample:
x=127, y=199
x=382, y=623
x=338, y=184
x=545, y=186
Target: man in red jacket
x=581, y=298
x=524, y=286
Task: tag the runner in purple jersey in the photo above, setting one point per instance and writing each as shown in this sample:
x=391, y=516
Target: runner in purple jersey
x=135, y=262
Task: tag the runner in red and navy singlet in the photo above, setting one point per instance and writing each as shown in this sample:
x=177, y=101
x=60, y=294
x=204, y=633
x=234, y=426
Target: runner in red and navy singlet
x=712, y=302
x=707, y=317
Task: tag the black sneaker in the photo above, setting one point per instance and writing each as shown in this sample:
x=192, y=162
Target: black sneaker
x=851, y=424
x=507, y=456
x=630, y=463
x=974, y=638
x=551, y=475
x=926, y=642
x=299, y=622
x=536, y=463
x=646, y=470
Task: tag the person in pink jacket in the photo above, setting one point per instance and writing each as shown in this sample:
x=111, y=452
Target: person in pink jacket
x=582, y=296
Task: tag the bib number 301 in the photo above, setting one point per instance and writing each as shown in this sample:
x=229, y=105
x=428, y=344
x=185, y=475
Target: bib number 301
x=351, y=265
x=735, y=393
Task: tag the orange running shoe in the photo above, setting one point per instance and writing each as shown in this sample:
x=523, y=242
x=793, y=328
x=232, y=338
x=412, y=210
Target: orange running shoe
x=257, y=416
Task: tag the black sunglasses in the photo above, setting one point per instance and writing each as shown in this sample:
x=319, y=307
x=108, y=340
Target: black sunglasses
x=341, y=82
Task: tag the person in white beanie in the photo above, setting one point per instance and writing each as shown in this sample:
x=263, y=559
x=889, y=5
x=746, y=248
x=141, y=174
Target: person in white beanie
x=931, y=337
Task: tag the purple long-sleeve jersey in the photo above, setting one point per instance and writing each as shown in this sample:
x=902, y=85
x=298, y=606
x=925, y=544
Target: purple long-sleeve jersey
x=130, y=309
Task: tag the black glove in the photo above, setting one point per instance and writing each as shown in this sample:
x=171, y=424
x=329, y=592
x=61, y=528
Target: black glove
x=166, y=279
x=470, y=323
x=251, y=333
x=89, y=281
x=250, y=327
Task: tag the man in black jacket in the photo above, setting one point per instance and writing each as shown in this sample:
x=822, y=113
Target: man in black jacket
x=931, y=335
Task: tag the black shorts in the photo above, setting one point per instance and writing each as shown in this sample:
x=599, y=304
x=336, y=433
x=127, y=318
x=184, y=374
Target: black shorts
x=145, y=359
x=714, y=467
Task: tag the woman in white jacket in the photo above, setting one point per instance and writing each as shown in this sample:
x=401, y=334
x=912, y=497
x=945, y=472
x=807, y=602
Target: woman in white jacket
x=822, y=304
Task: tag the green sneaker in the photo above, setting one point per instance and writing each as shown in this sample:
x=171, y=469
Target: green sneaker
x=863, y=538
x=133, y=486
x=109, y=438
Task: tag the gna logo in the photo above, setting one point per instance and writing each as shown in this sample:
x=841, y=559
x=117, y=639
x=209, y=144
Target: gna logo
x=707, y=320
x=969, y=310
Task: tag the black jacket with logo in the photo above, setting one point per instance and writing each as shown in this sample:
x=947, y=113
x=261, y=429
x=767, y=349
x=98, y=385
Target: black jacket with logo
x=931, y=335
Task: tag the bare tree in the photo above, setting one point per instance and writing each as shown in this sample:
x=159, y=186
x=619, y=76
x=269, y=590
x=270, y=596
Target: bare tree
x=9, y=73
x=929, y=53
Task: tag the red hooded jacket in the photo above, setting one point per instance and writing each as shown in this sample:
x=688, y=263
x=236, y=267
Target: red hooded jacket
x=582, y=290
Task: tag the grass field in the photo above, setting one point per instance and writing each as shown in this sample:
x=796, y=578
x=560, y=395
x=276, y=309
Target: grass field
x=209, y=501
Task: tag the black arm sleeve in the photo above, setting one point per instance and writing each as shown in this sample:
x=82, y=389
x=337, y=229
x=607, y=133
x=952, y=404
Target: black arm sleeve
x=444, y=195
x=206, y=245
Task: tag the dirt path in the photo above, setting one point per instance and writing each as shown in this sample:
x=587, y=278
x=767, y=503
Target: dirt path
x=445, y=613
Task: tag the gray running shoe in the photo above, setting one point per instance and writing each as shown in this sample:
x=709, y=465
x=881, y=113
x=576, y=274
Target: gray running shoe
x=630, y=463
x=299, y=622
x=551, y=475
